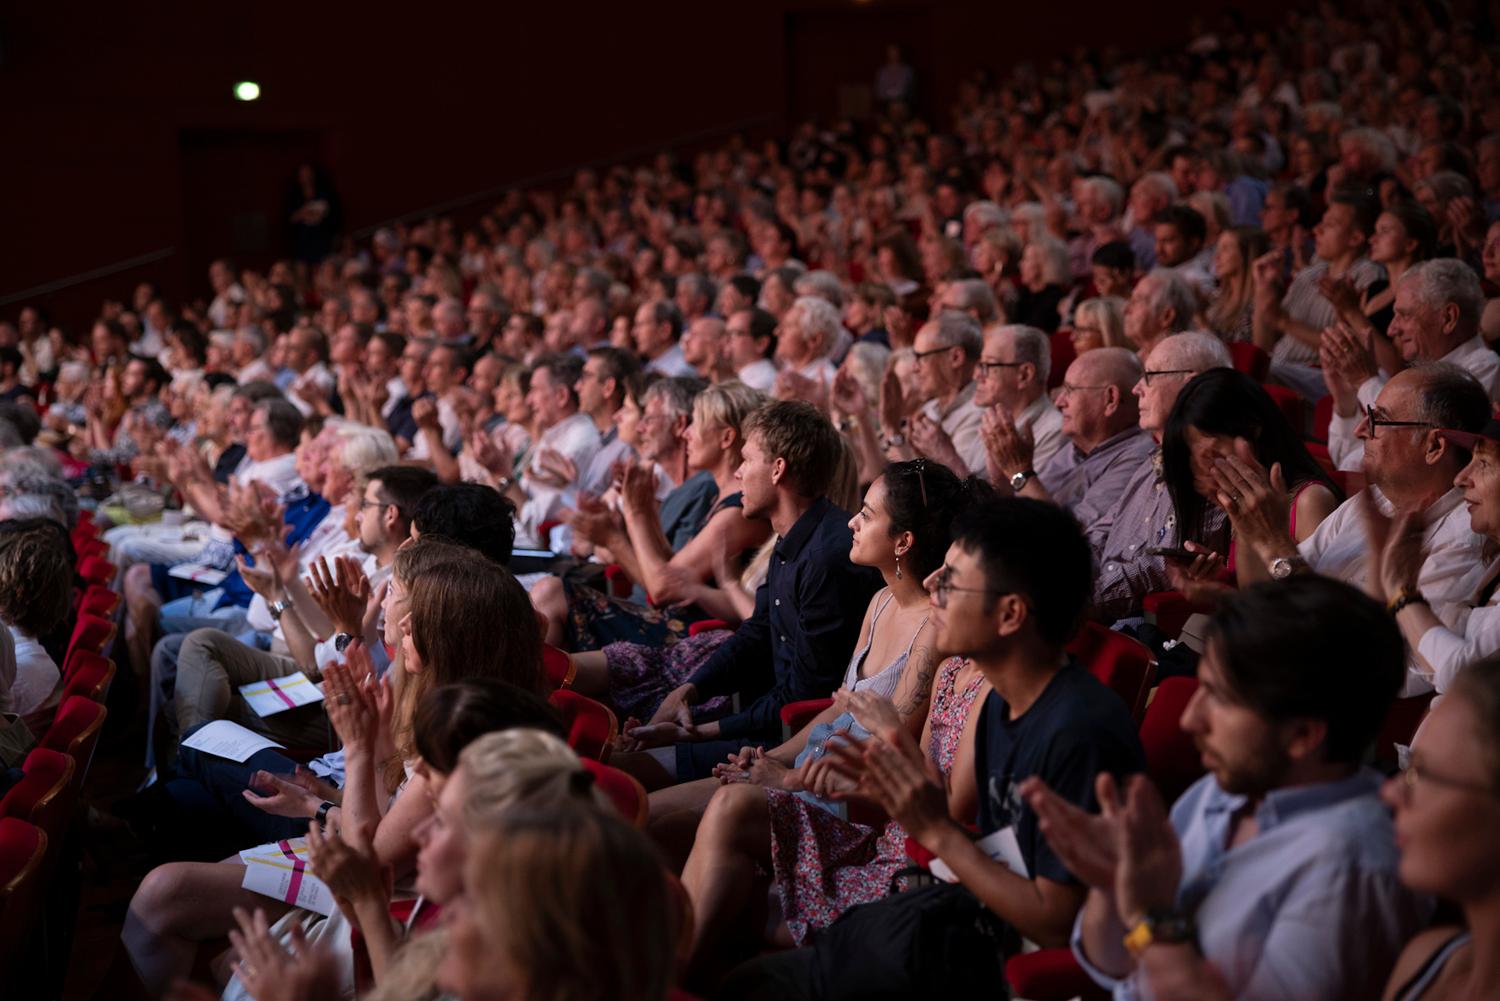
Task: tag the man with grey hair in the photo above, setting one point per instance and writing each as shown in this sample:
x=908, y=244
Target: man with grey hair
x=975, y=297
x=249, y=357
x=979, y=218
x=1437, y=310
x=1161, y=304
x=1149, y=197
x=1105, y=443
x=824, y=285
x=694, y=295
x=1100, y=202
x=805, y=341
x=946, y=429
x=1012, y=392
x=1128, y=569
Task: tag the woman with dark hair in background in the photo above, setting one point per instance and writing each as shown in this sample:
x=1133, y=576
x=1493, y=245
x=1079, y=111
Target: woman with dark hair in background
x=1223, y=413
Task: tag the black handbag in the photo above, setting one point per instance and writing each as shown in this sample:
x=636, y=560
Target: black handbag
x=927, y=942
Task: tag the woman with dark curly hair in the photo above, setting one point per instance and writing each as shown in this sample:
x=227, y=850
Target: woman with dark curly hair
x=36, y=588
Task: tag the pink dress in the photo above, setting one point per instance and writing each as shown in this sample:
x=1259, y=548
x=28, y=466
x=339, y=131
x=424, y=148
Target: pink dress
x=825, y=865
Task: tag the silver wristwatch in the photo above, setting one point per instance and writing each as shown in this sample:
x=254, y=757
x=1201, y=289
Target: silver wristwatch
x=278, y=608
x=1283, y=567
x=1018, y=480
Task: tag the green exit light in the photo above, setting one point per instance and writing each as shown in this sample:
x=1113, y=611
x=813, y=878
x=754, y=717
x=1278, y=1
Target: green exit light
x=246, y=90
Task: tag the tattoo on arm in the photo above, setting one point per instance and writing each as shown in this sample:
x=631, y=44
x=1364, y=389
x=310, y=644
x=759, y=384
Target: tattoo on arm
x=920, y=695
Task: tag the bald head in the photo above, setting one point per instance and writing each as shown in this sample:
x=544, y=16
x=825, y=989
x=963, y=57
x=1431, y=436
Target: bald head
x=1169, y=367
x=1096, y=400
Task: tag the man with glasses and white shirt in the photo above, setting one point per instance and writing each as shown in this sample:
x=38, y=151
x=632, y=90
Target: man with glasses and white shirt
x=1409, y=466
x=946, y=429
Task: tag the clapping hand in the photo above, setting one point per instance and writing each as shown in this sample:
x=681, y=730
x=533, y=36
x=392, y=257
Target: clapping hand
x=892, y=401
x=847, y=396
x=1010, y=449
x=1087, y=843
x=1343, y=350
x=306, y=972
x=351, y=870
x=1257, y=503
x=493, y=456
x=558, y=468
x=903, y=781
x=342, y=594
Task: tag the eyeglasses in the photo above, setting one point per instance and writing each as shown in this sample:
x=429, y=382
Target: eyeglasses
x=1150, y=374
x=1414, y=773
x=986, y=366
x=919, y=355
x=375, y=503
x=1373, y=422
x=942, y=586
x=1067, y=388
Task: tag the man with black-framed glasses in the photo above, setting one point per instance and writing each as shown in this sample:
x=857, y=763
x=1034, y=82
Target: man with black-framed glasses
x=1012, y=391
x=1408, y=466
x=946, y=429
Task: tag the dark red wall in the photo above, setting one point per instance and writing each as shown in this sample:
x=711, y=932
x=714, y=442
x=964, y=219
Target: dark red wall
x=122, y=138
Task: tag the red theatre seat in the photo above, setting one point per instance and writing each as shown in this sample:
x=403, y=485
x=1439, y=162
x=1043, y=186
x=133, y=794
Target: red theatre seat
x=796, y=715
x=75, y=732
x=42, y=796
x=591, y=727
x=1291, y=406
x=1121, y=662
x=91, y=633
x=627, y=794
x=1169, y=611
x=96, y=570
x=99, y=601
x=23, y=847
x=1063, y=354
x=1172, y=759
x=90, y=679
x=1250, y=359
x=558, y=665
x=707, y=626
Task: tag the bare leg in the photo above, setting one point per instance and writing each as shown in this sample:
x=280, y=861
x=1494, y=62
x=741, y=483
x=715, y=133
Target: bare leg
x=675, y=814
x=179, y=905
x=548, y=597
x=591, y=673
x=142, y=604
x=647, y=770
x=720, y=872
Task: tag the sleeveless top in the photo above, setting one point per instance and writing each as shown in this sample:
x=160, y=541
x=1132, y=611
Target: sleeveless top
x=1418, y=984
x=1229, y=564
x=882, y=683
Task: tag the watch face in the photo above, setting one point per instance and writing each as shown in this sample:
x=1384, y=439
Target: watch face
x=1018, y=481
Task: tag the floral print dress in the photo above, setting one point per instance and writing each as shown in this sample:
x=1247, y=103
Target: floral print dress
x=824, y=865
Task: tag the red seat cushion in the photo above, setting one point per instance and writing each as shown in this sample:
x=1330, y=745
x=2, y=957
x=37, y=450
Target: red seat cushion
x=1172, y=759
x=75, y=731
x=558, y=666
x=1250, y=359
x=1050, y=975
x=627, y=794
x=91, y=680
x=41, y=796
x=1121, y=662
x=23, y=850
x=591, y=726
x=91, y=633
x=96, y=570
x=99, y=601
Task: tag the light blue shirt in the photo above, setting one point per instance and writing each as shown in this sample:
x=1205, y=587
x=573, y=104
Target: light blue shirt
x=1309, y=908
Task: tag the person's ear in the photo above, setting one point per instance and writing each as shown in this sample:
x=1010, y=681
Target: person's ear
x=1449, y=314
x=391, y=521
x=778, y=471
x=727, y=437
x=1436, y=450
x=1304, y=737
x=1112, y=400
x=1011, y=614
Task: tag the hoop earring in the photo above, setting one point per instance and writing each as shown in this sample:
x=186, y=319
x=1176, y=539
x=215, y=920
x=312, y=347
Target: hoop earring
x=898, y=566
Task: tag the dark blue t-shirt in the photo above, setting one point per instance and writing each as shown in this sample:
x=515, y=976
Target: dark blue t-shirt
x=1075, y=729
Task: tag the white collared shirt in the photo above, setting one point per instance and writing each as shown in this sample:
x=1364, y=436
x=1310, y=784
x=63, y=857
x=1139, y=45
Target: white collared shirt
x=961, y=422
x=1452, y=557
x=759, y=374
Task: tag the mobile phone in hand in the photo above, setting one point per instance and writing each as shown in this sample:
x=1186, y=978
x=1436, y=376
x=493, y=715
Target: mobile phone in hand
x=1171, y=553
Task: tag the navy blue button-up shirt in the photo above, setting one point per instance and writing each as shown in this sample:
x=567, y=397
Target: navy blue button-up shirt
x=798, y=641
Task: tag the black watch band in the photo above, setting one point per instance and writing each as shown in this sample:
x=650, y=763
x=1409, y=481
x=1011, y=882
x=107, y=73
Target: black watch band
x=322, y=817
